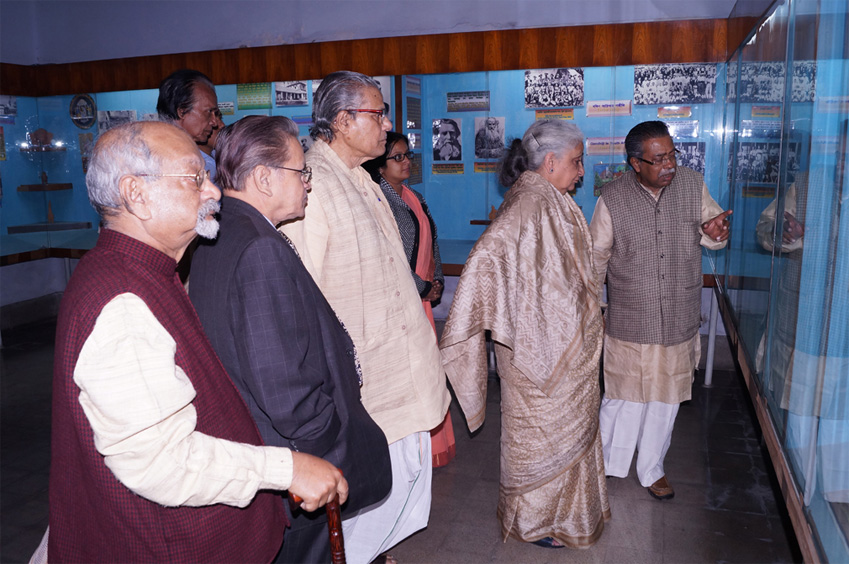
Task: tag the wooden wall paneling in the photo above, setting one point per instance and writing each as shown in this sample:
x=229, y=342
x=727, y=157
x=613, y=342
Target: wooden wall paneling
x=604, y=47
x=577, y=46
x=406, y=49
x=372, y=55
x=529, y=50
x=429, y=50
x=251, y=65
x=641, y=45
x=332, y=57
x=306, y=61
x=496, y=51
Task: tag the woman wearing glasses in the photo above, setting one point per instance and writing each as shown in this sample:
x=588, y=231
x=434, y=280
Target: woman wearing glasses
x=418, y=234
x=530, y=282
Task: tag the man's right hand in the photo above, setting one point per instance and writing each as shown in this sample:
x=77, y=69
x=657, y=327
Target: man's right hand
x=316, y=481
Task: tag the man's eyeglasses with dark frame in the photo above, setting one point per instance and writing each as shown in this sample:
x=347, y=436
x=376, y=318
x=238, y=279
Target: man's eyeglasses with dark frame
x=665, y=159
x=306, y=172
x=381, y=114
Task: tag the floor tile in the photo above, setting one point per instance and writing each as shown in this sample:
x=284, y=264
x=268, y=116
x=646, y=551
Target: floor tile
x=724, y=509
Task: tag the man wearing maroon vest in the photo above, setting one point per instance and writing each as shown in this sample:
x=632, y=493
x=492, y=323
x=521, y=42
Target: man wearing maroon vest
x=648, y=228
x=155, y=456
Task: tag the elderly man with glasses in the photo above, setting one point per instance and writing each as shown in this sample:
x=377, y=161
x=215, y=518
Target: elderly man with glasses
x=349, y=242
x=155, y=457
x=648, y=228
x=276, y=335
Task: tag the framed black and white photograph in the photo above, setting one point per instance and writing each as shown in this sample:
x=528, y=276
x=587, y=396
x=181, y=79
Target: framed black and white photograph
x=489, y=137
x=446, y=140
x=761, y=82
x=292, y=93
x=554, y=88
x=760, y=162
x=674, y=84
x=731, y=82
x=692, y=155
x=804, y=81
x=8, y=105
x=107, y=119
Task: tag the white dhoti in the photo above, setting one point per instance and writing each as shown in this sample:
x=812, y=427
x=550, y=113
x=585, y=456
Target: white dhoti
x=627, y=426
x=375, y=529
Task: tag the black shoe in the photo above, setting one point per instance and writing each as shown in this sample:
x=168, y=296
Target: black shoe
x=548, y=542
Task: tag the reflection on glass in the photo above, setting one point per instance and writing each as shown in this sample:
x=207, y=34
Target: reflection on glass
x=788, y=266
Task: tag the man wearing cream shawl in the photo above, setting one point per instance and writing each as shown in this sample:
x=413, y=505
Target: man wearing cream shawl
x=530, y=281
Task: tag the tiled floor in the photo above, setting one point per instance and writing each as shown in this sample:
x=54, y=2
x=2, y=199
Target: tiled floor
x=725, y=509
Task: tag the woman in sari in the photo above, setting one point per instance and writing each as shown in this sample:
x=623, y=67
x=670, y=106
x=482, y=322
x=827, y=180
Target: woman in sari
x=418, y=234
x=530, y=281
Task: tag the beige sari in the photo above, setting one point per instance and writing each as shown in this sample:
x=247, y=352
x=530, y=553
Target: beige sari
x=530, y=281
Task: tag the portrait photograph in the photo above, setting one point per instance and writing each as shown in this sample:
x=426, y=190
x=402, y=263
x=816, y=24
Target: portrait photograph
x=489, y=137
x=446, y=140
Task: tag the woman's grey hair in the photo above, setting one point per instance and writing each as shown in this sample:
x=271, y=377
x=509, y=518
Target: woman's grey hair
x=542, y=137
x=250, y=142
x=341, y=90
x=120, y=151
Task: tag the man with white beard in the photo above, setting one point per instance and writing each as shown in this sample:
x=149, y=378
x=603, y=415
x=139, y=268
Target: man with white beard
x=154, y=455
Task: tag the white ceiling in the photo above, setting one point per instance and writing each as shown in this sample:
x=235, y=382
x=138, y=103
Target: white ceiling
x=63, y=31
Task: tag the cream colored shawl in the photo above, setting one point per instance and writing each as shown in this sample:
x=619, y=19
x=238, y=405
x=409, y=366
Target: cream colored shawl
x=530, y=281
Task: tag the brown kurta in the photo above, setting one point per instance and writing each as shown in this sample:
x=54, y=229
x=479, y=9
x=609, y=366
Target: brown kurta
x=530, y=281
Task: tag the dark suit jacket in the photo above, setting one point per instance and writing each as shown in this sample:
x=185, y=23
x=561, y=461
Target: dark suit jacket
x=287, y=352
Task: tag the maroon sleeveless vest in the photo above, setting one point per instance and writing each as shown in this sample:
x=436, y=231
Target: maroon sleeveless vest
x=93, y=517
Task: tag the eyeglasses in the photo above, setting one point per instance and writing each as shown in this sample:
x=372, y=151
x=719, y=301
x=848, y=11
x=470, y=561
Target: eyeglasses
x=399, y=158
x=665, y=159
x=380, y=114
x=306, y=172
x=200, y=177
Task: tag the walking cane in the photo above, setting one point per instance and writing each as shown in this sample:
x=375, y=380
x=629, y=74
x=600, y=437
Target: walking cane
x=334, y=528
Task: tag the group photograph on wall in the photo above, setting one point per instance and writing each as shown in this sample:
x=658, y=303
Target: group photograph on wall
x=554, y=88
x=674, y=84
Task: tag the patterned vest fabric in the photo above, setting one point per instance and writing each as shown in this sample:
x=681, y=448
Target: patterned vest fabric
x=654, y=277
x=93, y=517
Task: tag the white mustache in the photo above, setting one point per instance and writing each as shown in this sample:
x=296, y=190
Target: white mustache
x=209, y=207
x=207, y=228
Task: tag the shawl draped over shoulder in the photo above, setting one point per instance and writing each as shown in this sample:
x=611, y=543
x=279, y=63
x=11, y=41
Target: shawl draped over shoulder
x=530, y=281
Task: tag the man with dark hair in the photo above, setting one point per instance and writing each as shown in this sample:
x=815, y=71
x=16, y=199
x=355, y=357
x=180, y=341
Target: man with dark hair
x=647, y=229
x=155, y=457
x=278, y=338
x=187, y=99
